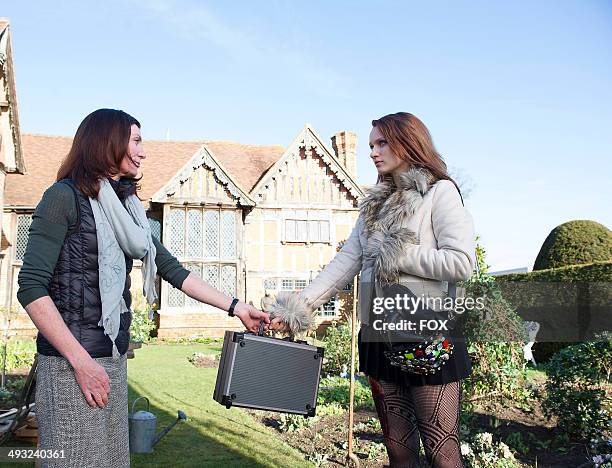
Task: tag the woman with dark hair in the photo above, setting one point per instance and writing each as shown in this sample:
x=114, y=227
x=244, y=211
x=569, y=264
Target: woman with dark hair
x=74, y=283
x=412, y=229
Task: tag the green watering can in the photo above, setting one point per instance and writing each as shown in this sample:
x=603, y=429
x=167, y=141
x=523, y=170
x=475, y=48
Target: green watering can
x=143, y=426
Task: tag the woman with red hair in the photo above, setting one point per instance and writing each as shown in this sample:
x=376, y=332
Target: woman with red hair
x=412, y=229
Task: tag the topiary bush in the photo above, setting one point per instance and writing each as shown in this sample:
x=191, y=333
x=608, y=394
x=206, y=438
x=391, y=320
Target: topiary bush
x=573, y=243
x=578, y=389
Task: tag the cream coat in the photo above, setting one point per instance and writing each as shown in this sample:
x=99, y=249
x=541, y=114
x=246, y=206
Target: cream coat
x=417, y=233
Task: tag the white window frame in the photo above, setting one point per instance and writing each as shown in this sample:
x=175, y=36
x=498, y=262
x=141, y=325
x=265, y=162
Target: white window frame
x=330, y=309
x=301, y=230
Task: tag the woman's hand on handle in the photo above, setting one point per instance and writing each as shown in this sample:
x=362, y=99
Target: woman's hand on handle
x=251, y=317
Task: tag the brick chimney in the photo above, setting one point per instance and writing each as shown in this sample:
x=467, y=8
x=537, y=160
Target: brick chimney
x=345, y=147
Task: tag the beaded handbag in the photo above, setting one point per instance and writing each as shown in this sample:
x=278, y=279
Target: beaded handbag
x=419, y=351
x=427, y=357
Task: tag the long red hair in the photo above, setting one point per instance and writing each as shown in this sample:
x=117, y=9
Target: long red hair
x=99, y=145
x=410, y=140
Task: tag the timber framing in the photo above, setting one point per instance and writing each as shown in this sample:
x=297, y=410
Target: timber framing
x=307, y=139
x=204, y=157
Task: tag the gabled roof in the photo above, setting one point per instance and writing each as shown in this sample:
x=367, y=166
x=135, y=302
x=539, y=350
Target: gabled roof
x=243, y=164
x=309, y=139
x=6, y=66
x=203, y=158
x=233, y=156
x=236, y=165
x=43, y=154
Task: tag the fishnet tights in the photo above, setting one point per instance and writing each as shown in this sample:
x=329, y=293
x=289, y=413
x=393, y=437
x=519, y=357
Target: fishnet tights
x=408, y=414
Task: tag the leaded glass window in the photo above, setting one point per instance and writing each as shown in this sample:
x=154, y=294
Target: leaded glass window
x=196, y=269
x=228, y=234
x=228, y=280
x=23, y=228
x=205, y=242
x=176, y=298
x=176, y=225
x=155, y=226
x=211, y=238
x=211, y=275
x=194, y=234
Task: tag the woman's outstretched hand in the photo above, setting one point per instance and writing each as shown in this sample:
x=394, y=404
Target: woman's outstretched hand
x=250, y=317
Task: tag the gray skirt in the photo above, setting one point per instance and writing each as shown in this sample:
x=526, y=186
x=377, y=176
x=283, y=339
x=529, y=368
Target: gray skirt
x=89, y=437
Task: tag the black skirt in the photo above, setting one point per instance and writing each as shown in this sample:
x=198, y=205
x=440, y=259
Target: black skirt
x=375, y=364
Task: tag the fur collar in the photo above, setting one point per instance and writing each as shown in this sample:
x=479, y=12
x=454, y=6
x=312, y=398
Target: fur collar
x=385, y=209
x=386, y=205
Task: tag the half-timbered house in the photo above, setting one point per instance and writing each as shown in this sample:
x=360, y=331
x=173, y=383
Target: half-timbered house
x=249, y=219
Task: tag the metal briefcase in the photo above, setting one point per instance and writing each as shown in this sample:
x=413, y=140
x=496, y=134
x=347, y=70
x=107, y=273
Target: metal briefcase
x=268, y=373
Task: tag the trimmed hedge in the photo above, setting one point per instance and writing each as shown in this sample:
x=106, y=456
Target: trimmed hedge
x=592, y=280
x=592, y=272
x=575, y=243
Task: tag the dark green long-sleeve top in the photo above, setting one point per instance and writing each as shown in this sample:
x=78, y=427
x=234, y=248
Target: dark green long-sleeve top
x=55, y=214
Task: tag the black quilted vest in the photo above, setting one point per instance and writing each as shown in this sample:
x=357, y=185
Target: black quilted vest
x=74, y=287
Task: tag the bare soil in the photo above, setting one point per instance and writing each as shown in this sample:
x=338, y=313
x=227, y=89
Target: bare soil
x=542, y=445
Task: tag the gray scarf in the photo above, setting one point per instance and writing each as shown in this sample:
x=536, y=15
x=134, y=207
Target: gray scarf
x=120, y=232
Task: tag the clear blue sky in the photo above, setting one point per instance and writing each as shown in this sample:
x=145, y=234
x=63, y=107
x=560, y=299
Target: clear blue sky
x=517, y=95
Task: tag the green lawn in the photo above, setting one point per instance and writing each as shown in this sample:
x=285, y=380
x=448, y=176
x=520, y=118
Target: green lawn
x=213, y=435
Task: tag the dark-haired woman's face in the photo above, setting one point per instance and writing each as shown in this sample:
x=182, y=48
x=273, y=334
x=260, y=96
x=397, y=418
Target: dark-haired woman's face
x=384, y=159
x=130, y=166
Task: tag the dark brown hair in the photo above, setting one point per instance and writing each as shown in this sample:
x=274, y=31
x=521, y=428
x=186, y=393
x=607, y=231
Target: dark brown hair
x=99, y=145
x=410, y=141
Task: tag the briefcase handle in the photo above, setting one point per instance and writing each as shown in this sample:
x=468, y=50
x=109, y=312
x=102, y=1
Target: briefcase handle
x=260, y=332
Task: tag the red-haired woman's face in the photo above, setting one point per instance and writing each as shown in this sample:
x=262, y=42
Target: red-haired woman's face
x=384, y=159
x=131, y=161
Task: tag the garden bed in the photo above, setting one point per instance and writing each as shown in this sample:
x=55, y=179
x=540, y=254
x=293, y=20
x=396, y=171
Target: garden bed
x=530, y=435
